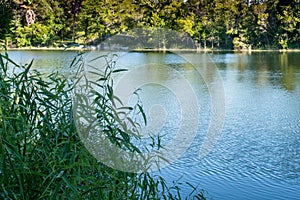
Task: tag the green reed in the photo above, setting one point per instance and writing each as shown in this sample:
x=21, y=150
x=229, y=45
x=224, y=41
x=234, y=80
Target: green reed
x=41, y=154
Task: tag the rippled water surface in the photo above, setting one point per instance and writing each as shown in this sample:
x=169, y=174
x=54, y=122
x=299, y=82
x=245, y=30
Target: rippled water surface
x=257, y=155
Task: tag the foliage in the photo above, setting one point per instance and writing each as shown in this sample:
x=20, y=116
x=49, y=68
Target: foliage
x=33, y=35
x=41, y=154
x=6, y=15
x=221, y=23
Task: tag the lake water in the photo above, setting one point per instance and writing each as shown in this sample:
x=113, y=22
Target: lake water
x=257, y=153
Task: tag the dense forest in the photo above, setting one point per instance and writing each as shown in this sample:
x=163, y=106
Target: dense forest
x=221, y=24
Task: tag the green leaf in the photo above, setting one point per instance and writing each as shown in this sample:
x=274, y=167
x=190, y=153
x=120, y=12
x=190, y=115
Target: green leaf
x=119, y=70
x=143, y=114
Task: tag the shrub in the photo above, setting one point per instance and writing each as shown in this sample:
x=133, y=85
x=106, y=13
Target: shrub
x=33, y=35
x=41, y=154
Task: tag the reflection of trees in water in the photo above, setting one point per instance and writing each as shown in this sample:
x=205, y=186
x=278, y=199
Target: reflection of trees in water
x=278, y=69
x=288, y=72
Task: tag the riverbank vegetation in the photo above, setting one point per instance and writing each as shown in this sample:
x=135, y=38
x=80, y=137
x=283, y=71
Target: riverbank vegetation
x=221, y=24
x=41, y=153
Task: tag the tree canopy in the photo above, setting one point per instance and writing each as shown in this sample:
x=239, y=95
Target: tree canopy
x=227, y=24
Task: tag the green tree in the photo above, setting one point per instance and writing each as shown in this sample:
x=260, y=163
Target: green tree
x=261, y=34
x=103, y=18
x=236, y=24
x=289, y=29
x=6, y=15
x=202, y=20
x=34, y=35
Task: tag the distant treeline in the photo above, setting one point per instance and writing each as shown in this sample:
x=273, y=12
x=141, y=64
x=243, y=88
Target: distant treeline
x=222, y=24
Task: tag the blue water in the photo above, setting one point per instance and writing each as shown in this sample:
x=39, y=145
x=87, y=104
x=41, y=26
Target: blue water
x=257, y=154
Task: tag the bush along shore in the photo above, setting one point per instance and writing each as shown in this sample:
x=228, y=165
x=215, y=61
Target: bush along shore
x=41, y=154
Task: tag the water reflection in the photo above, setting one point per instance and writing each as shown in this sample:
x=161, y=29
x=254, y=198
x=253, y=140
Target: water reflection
x=278, y=69
x=44, y=61
x=289, y=70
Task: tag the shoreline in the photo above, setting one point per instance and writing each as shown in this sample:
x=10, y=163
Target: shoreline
x=81, y=48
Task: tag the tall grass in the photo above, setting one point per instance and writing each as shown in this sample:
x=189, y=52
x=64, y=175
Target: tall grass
x=41, y=154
